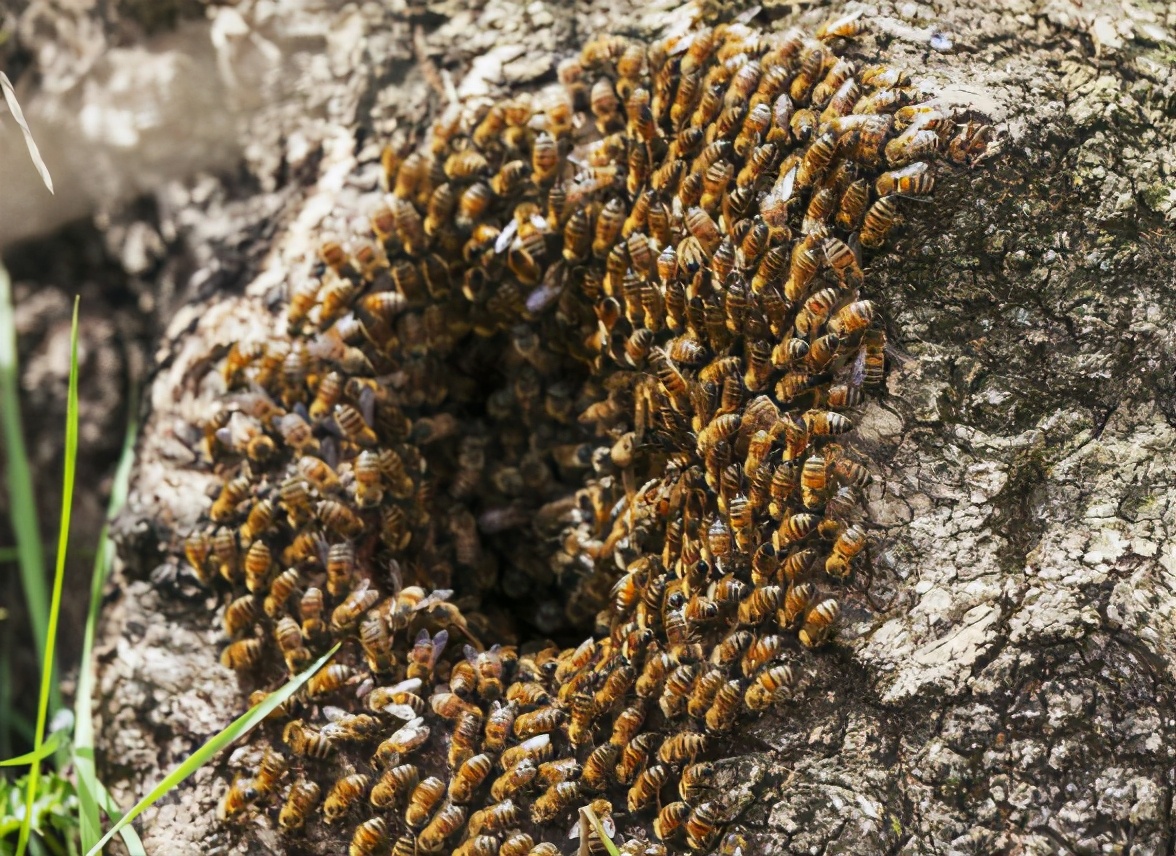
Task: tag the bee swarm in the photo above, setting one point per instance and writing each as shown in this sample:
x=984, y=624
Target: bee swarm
x=588, y=374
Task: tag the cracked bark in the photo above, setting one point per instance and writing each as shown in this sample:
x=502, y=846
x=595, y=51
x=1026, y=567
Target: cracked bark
x=1014, y=693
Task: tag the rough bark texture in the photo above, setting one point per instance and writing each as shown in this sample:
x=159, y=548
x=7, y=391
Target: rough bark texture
x=1012, y=691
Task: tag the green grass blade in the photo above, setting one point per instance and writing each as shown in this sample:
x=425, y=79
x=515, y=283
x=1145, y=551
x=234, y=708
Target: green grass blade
x=47, y=676
x=101, y=798
x=46, y=749
x=90, y=790
x=21, y=502
x=201, y=756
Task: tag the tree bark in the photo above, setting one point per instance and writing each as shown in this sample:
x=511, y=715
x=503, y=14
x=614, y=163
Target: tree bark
x=1010, y=690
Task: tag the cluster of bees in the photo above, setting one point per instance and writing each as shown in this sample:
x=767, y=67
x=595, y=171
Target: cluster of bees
x=589, y=373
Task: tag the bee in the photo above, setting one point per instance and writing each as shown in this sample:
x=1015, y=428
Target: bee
x=671, y=820
x=552, y=772
x=423, y=801
x=447, y=821
x=340, y=568
x=404, y=741
x=605, y=105
x=768, y=687
x=197, y=550
x=242, y=655
x=496, y=818
x=240, y=615
x=394, y=784
x=513, y=780
x=469, y=776
x=878, y=222
x=873, y=357
x=538, y=748
x=288, y=635
x=405, y=845
x=725, y=707
x=300, y=802
x=696, y=781
x=818, y=623
x=853, y=318
x=682, y=746
x=647, y=787
x=348, y=613
x=677, y=689
x=402, y=695
x=329, y=679
x=425, y=653
x=369, y=836
x=917, y=179
x=353, y=426
x=463, y=740
x=846, y=27
x=813, y=481
x=848, y=544
x=240, y=794
x=479, y=845
x=343, y=796
x=599, y=767
x=340, y=519
x=519, y=844
x=703, y=826
x=232, y=494
x=553, y=802
x=310, y=610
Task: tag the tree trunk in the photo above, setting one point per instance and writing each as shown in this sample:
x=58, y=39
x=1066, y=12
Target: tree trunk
x=1011, y=688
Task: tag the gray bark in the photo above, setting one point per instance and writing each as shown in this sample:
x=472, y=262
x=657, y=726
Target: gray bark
x=1011, y=688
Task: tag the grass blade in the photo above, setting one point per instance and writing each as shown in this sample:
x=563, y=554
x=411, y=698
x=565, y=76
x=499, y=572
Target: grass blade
x=45, y=750
x=47, y=676
x=21, y=502
x=90, y=790
x=201, y=756
x=18, y=115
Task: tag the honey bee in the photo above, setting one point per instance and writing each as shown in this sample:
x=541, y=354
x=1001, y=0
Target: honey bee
x=404, y=741
x=552, y=772
x=394, y=784
x=848, y=544
x=818, y=623
x=300, y=802
x=647, y=786
x=339, y=518
x=310, y=609
x=240, y=794
x=242, y=655
x=768, y=687
x=878, y=222
x=873, y=357
x=445, y=823
x=423, y=801
x=425, y=652
x=725, y=707
x=463, y=740
x=329, y=679
x=369, y=836
x=351, y=610
x=682, y=746
x=343, y=796
x=703, y=825
x=479, y=845
x=234, y=492
x=671, y=820
x=496, y=818
x=240, y=615
x=513, y=780
x=469, y=776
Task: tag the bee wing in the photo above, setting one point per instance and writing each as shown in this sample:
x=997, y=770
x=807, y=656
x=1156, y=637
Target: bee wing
x=858, y=375
x=400, y=711
x=505, y=237
x=439, y=642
